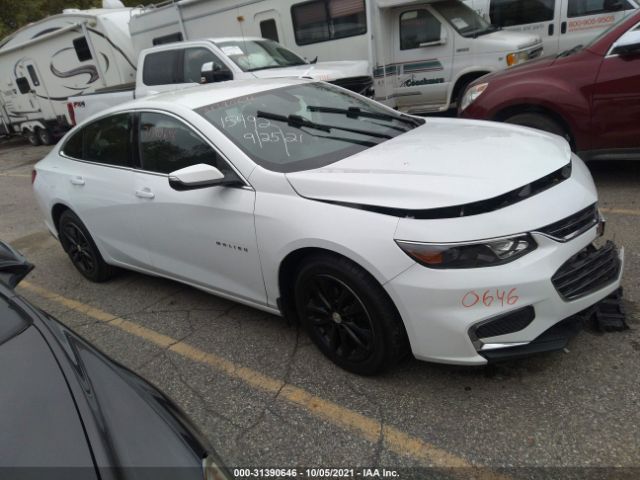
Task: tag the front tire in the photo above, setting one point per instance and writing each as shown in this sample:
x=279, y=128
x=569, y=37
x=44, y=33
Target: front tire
x=32, y=137
x=348, y=315
x=44, y=136
x=82, y=250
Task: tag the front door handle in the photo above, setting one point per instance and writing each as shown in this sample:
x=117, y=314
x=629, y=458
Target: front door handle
x=145, y=193
x=77, y=181
x=551, y=29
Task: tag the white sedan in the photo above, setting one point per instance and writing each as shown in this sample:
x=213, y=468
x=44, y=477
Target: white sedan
x=382, y=233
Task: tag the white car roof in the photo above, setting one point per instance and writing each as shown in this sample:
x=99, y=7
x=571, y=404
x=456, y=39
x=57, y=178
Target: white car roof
x=201, y=95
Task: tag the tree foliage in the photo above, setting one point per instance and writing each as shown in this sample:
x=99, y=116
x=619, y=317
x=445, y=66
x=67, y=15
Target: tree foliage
x=17, y=13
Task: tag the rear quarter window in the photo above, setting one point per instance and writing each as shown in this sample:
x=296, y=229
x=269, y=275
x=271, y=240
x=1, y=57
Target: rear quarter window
x=12, y=321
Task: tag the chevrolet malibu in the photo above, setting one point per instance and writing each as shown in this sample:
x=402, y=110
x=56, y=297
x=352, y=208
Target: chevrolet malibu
x=381, y=233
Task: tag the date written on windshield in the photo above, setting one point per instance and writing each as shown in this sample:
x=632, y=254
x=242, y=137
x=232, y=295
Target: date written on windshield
x=490, y=297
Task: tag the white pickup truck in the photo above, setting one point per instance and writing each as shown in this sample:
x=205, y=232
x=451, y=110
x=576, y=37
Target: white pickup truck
x=179, y=65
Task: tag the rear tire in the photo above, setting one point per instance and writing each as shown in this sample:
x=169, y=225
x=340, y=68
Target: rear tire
x=44, y=136
x=32, y=137
x=348, y=315
x=82, y=250
x=539, y=121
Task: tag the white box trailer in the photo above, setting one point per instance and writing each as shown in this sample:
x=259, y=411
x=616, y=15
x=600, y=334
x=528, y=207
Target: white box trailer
x=562, y=24
x=422, y=54
x=45, y=62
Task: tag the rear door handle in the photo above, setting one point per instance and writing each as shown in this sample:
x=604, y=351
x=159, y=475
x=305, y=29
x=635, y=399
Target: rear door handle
x=77, y=180
x=563, y=28
x=145, y=193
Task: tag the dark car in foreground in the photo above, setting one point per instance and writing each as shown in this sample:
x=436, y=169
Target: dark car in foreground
x=590, y=95
x=68, y=411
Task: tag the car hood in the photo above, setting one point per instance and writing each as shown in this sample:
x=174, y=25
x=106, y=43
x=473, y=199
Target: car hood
x=325, y=71
x=502, y=40
x=40, y=424
x=445, y=162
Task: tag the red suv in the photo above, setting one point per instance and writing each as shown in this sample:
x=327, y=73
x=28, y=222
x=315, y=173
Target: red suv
x=590, y=95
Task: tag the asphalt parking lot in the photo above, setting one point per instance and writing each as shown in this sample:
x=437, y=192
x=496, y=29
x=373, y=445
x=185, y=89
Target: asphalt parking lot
x=266, y=397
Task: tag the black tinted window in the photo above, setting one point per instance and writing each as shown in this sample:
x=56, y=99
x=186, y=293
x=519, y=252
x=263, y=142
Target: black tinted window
x=323, y=20
x=105, y=141
x=506, y=13
x=32, y=74
x=73, y=146
x=172, y=38
x=82, y=49
x=23, y=85
x=418, y=27
x=161, y=68
x=167, y=145
x=269, y=30
x=194, y=58
x=580, y=8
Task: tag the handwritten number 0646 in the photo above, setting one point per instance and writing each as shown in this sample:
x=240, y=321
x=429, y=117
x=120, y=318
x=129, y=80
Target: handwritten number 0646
x=488, y=297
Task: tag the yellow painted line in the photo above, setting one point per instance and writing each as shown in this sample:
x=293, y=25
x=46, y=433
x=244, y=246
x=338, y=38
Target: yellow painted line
x=621, y=211
x=15, y=175
x=394, y=439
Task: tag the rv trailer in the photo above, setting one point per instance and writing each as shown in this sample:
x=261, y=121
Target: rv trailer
x=44, y=63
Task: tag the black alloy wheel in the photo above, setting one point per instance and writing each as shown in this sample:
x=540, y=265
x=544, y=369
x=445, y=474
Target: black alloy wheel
x=32, y=137
x=339, y=318
x=348, y=315
x=44, y=136
x=78, y=244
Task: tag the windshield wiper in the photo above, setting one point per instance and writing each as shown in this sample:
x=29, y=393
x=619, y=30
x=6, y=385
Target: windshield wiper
x=267, y=67
x=355, y=112
x=297, y=121
x=571, y=51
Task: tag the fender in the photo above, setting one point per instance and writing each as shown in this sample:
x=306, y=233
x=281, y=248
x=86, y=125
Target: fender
x=483, y=69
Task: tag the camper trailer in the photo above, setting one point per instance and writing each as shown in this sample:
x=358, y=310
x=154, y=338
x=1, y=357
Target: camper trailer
x=44, y=63
x=422, y=54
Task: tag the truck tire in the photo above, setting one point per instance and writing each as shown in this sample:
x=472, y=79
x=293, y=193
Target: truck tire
x=539, y=121
x=32, y=137
x=44, y=136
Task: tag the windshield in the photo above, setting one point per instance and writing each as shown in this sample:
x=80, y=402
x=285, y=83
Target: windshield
x=252, y=55
x=305, y=126
x=464, y=19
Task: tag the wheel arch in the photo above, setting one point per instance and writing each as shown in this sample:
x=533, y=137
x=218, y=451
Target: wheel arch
x=56, y=212
x=465, y=78
x=287, y=271
x=504, y=113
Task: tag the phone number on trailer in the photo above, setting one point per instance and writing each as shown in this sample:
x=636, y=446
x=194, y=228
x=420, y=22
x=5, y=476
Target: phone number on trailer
x=313, y=473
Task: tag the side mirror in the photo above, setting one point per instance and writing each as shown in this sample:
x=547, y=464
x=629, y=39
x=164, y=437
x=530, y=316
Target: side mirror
x=211, y=72
x=199, y=176
x=13, y=266
x=628, y=44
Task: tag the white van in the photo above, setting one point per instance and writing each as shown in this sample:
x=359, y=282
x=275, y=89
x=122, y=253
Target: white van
x=562, y=24
x=422, y=54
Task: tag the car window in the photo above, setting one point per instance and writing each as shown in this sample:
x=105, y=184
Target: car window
x=580, y=8
x=167, y=145
x=418, y=27
x=507, y=13
x=194, y=58
x=104, y=141
x=304, y=126
x=252, y=55
x=324, y=20
x=161, y=68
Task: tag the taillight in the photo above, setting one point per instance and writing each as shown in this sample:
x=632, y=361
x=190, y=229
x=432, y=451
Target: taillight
x=72, y=113
x=34, y=173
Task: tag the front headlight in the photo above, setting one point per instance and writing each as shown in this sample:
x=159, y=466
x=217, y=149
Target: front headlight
x=516, y=58
x=485, y=253
x=472, y=94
